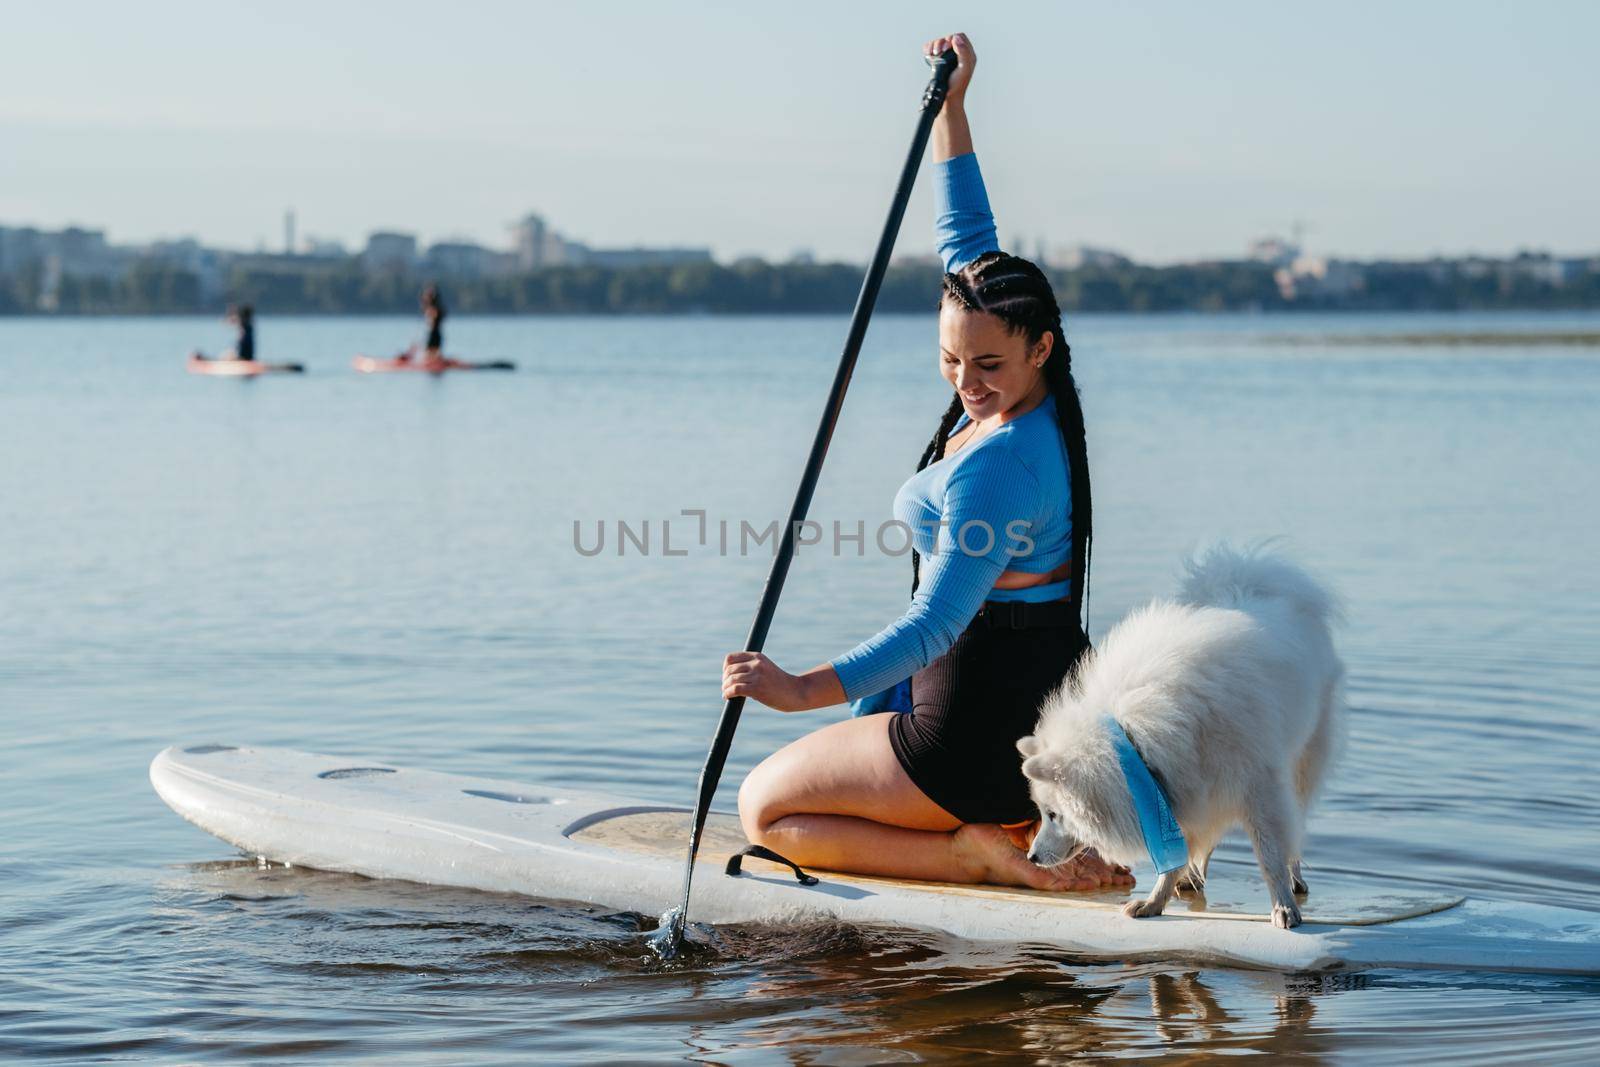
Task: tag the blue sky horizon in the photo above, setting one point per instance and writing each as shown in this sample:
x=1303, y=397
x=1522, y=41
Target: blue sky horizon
x=1168, y=133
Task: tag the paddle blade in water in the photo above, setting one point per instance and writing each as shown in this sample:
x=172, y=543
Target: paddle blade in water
x=668, y=936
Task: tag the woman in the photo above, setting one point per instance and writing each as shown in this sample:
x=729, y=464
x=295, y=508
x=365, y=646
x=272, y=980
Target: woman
x=938, y=793
x=242, y=317
x=432, y=314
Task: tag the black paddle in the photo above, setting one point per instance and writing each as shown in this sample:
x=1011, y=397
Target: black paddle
x=711, y=773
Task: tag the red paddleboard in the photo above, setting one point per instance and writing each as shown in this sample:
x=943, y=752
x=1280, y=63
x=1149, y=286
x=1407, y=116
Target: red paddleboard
x=241, y=368
x=371, y=365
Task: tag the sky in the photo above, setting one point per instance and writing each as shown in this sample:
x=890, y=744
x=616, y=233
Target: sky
x=1167, y=131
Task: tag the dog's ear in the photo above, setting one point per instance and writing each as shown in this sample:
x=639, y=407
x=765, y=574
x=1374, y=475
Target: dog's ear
x=1029, y=746
x=1044, y=768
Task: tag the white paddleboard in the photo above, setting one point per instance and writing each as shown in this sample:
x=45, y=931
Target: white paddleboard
x=374, y=819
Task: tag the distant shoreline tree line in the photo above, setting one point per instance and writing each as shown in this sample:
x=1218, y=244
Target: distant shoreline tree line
x=750, y=287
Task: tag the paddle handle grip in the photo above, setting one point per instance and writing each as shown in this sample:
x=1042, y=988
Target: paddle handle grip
x=944, y=65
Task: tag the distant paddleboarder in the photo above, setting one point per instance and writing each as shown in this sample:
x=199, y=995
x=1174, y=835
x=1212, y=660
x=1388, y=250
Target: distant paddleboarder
x=240, y=361
x=243, y=319
x=433, y=315
x=433, y=359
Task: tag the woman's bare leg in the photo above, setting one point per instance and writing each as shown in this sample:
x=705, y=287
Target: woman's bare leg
x=838, y=799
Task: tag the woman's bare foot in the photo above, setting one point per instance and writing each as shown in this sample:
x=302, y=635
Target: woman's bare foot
x=987, y=853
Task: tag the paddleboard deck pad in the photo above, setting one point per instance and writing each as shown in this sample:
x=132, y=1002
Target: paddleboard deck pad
x=372, y=365
x=240, y=368
x=375, y=819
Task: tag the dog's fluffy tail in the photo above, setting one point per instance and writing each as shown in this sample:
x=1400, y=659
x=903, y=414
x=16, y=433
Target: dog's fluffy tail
x=1225, y=577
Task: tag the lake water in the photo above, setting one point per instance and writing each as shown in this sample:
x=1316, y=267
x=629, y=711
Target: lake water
x=384, y=567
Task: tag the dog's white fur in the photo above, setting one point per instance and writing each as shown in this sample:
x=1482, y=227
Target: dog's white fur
x=1231, y=692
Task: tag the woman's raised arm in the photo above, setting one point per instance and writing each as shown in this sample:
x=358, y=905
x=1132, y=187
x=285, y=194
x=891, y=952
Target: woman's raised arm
x=963, y=224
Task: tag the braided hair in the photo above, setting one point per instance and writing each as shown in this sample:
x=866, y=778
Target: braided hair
x=1017, y=293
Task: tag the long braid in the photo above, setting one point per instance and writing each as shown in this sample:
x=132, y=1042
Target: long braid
x=1069, y=416
x=1017, y=293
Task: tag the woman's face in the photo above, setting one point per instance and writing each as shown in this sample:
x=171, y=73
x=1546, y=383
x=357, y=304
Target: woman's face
x=991, y=368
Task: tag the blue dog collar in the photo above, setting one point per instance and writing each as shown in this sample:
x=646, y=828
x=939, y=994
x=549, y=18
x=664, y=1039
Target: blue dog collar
x=1163, y=838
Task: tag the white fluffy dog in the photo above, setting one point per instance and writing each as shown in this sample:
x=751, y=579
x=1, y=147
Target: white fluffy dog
x=1231, y=695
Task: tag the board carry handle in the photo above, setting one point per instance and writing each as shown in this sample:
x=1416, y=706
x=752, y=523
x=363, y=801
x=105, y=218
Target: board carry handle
x=736, y=861
x=668, y=938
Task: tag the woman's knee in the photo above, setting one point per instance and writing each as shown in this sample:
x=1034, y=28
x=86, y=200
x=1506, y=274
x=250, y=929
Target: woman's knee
x=758, y=801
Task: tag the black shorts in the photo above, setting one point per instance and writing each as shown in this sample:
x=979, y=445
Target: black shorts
x=435, y=338
x=972, y=704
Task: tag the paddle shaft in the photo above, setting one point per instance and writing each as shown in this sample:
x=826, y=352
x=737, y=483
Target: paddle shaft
x=711, y=773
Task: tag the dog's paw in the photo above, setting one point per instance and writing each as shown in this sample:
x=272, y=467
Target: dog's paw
x=1300, y=888
x=1285, y=916
x=1191, y=883
x=1141, y=909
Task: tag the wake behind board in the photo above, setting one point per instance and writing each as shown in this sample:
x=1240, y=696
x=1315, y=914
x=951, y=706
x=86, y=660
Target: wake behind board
x=374, y=819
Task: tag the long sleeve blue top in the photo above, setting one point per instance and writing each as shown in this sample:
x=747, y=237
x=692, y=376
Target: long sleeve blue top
x=963, y=225
x=1002, y=503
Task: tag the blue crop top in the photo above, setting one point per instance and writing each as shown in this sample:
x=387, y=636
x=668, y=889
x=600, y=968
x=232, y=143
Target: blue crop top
x=1001, y=503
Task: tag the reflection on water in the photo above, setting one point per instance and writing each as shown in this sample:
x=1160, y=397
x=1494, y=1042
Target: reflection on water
x=827, y=990
x=358, y=967
x=383, y=569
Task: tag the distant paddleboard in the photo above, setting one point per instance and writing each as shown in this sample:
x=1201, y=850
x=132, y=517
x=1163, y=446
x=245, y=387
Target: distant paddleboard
x=373, y=365
x=240, y=368
x=372, y=818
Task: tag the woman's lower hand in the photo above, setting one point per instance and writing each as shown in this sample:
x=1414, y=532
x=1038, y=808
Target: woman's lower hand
x=754, y=676
x=966, y=61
